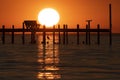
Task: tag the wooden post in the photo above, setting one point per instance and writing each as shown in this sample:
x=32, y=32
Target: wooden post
x=44, y=35
x=86, y=34
x=89, y=37
x=78, y=34
x=3, y=34
x=64, y=34
x=59, y=34
x=12, y=40
x=23, y=34
x=110, y=23
x=53, y=34
x=33, y=41
x=98, y=34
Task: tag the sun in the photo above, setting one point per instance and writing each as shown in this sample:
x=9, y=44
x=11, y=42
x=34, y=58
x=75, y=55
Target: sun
x=48, y=17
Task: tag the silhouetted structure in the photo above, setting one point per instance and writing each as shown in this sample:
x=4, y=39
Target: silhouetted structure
x=88, y=32
x=110, y=22
x=32, y=26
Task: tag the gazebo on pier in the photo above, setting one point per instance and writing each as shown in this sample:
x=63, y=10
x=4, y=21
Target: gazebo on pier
x=32, y=25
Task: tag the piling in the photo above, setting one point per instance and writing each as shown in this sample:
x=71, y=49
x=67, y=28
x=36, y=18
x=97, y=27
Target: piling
x=3, y=34
x=59, y=34
x=23, y=34
x=12, y=39
x=33, y=33
x=33, y=37
x=86, y=34
x=89, y=37
x=64, y=34
x=98, y=34
x=54, y=34
x=78, y=34
x=44, y=35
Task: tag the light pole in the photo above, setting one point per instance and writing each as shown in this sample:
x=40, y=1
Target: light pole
x=88, y=29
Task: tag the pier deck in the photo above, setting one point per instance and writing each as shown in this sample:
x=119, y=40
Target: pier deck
x=54, y=30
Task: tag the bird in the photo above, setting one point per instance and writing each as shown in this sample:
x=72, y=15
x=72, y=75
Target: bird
x=48, y=37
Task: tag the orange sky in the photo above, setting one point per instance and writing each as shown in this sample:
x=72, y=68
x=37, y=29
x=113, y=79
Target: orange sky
x=72, y=12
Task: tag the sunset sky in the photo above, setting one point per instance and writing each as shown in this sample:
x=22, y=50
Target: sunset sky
x=71, y=12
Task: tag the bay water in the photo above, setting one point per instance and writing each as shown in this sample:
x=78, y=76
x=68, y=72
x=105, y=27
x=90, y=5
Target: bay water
x=59, y=61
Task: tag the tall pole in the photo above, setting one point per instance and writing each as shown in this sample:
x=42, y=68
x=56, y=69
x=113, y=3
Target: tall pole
x=110, y=23
x=88, y=23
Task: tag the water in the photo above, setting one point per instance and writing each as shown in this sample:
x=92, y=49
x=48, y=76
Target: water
x=60, y=62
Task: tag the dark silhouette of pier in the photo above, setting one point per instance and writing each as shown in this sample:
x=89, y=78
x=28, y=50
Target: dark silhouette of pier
x=32, y=27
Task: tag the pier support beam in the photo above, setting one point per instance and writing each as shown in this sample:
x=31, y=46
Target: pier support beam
x=59, y=35
x=12, y=40
x=53, y=34
x=86, y=34
x=44, y=35
x=3, y=34
x=98, y=34
x=78, y=34
x=64, y=34
x=33, y=37
x=23, y=34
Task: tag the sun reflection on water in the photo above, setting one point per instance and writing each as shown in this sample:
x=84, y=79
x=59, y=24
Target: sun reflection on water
x=48, y=60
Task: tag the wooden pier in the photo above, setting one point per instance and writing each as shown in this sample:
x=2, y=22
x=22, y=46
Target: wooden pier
x=63, y=30
x=32, y=27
